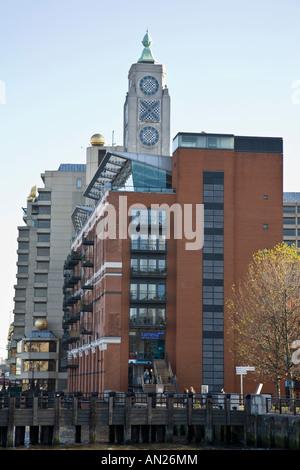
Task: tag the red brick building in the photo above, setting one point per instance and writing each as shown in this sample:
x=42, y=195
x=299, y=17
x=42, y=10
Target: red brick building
x=131, y=301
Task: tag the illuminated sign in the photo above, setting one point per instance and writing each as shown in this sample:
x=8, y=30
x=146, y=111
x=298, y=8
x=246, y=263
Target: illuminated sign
x=153, y=334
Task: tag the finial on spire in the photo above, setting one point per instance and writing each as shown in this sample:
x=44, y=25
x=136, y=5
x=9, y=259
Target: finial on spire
x=147, y=55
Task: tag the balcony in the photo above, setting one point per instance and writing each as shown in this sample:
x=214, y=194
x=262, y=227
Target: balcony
x=86, y=307
x=71, y=278
x=148, y=272
x=71, y=261
x=86, y=283
x=70, y=318
x=87, y=242
x=70, y=299
x=70, y=337
x=147, y=323
x=147, y=298
x=86, y=329
x=87, y=261
x=157, y=246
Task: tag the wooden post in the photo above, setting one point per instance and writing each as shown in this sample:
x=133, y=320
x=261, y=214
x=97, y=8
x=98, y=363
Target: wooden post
x=127, y=427
x=249, y=425
x=111, y=405
x=57, y=419
x=149, y=415
x=190, y=427
x=11, y=418
x=93, y=417
x=209, y=424
x=228, y=419
x=170, y=425
x=35, y=411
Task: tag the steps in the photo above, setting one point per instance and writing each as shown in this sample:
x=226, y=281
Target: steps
x=161, y=370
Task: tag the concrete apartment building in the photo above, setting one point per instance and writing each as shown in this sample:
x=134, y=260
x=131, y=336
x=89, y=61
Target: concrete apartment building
x=34, y=348
x=157, y=296
x=291, y=218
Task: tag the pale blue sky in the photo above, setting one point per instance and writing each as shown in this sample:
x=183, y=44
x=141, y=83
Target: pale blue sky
x=64, y=64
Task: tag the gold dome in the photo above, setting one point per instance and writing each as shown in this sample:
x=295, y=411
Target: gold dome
x=97, y=140
x=41, y=324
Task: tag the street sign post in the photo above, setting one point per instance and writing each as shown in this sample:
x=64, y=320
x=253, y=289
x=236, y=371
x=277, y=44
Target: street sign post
x=242, y=370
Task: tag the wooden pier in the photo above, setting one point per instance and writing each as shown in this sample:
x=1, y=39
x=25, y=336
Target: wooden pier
x=131, y=418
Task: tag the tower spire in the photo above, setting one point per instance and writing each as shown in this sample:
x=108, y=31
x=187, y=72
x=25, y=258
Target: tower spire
x=147, y=55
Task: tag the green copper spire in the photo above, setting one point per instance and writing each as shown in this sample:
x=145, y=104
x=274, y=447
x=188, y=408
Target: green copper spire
x=147, y=53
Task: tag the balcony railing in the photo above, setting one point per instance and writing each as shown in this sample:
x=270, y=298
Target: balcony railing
x=86, y=307
x=71, y=260
x=87, y=261
x=86, y=283
x=149, y=298
x=147, y=323
x=71, y=278
x=159, y=246
x=87, y=241
x=148, y=272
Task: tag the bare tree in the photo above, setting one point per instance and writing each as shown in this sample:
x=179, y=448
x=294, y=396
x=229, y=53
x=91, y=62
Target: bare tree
x=264, y=314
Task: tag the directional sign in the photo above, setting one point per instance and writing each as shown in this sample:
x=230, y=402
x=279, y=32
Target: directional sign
x=242, y=370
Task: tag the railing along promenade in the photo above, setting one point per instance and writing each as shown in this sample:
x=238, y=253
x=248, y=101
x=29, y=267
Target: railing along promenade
x=141, y=417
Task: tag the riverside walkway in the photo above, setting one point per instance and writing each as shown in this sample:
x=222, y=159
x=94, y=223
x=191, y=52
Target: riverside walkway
x=140, y=417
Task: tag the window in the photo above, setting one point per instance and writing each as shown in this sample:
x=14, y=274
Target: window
x=39, y=366
x=41, y=278
x=265, y=226
x=23, y=270
x=289, y=220
x=43, y=223
x=40, y=292
x=289, y=232
x=37, y=210
x=147, y=291
x=42, y=265
x=43, y=237
x=43, y=252
x=266, y=196
x=23, y=245
x=40, y=306
x=44, y=196
x=79, y=183
x=289, y=209
x=22, y=258
x=39, y=346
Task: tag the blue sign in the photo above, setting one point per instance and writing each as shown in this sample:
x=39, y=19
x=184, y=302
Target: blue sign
x=152, y=334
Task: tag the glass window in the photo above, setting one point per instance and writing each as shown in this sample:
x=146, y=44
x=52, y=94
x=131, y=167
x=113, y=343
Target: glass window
x=43, y=223
x=42, y=265
x=40, y=292
x=23, y=245
x=43, y=251
x=43, y=237
x=40, y=306
x=39, y=366
x=23, y=257
x=39, y=346
x=289, y=232
x=79, y=183
x=289, y=209
x=289, y=220
x=44, y=196
x=44, y=210
x=41, y=278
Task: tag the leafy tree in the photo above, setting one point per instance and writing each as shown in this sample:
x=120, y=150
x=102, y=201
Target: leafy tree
x=264, y=314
